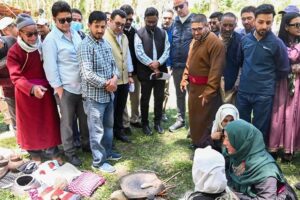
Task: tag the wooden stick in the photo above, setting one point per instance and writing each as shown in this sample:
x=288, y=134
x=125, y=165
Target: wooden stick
x=171, y=177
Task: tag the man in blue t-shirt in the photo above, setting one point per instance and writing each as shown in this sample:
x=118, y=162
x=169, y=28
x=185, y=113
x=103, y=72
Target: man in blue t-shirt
x=265, y=59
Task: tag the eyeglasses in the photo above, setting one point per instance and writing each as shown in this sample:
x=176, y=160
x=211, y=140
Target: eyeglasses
x=181, y=6
x=64, y=20
x=119, y=25
x=297, y=25
x=30, y=34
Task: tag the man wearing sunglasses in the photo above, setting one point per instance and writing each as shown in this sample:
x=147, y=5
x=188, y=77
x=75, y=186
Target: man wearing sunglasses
x=231, y=41
x=36, y=111
x=63, y=73
x=120, y=48
x=214, y=23
x=181, y=39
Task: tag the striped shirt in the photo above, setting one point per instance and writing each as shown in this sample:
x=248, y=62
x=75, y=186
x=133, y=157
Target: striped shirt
x=97, y=66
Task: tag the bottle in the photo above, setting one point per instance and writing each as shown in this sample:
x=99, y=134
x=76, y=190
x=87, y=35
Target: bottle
x=131, y=87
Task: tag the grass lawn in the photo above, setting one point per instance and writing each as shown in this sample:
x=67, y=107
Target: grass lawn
x=165, y=154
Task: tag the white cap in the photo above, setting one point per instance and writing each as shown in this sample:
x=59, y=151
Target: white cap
x=42, y=21
x=5, y=22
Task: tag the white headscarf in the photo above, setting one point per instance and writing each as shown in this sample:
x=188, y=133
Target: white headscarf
x=209, y=171
x=223, y=111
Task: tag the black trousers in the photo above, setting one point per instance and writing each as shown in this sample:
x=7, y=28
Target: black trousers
x=120, y=101
x=158, y=92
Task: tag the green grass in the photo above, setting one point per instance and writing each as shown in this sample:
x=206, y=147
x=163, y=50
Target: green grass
x=165, y=154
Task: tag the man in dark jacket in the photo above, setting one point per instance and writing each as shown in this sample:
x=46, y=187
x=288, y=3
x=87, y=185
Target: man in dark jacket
x=152, y=50
x=181, y=39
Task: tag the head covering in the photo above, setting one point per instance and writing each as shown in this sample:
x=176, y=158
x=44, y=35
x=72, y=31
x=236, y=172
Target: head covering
x=42, y=21
x=251, y=163
x=224, y=111
x=209, y=171
x=290, y=9
x=5, y=22
x=24, y=20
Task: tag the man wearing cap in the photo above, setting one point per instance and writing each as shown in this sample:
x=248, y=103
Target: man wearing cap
x=181, y=39
x=9, y=33
x=37, y=115
x=43, y=28
x=289, y=9
x=8, y=27
x=62, y=70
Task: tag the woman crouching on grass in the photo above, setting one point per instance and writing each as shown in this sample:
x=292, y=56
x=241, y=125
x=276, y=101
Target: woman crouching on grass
x=252, y=172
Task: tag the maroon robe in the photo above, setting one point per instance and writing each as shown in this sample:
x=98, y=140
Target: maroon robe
x=38, y=125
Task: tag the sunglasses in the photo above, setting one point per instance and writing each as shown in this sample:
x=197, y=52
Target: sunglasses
x=119, y=25
x=30, y=34
x=181, y=6
x=228, y=25
x=297, y=25
x=64, y=20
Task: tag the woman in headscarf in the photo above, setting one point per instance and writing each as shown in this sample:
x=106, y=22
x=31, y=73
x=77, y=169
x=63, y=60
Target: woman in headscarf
x=226, y=113
x=252, y=172
x=209, y=176
x=285, y=126
x=36, y=111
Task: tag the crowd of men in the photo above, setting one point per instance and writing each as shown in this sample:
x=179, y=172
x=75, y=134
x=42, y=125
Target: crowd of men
x=90, y=74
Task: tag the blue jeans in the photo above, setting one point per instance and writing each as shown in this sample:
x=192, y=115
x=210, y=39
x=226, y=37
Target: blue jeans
x=100, y=117
x=261, y=105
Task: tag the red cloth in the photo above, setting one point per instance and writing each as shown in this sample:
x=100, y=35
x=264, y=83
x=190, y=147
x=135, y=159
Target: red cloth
x=37, y=119
x=198, y=80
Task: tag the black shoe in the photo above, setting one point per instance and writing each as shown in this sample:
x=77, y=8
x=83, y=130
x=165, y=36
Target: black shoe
x=127, y=131
x=159, y=129
x=136, y=124
x=86, y=148
x=177, y=125
x=74, y=160
x=297, y=186
x=164, y=118
x=147, y=130
x=122, y=137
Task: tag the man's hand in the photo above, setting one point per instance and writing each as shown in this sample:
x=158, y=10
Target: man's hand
x=1, y=44
x=154, y=65
x=38, y=91
x=204, y=100
x=59, y=91
x=111, y=84
x=130, y=80
x=183, y=85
